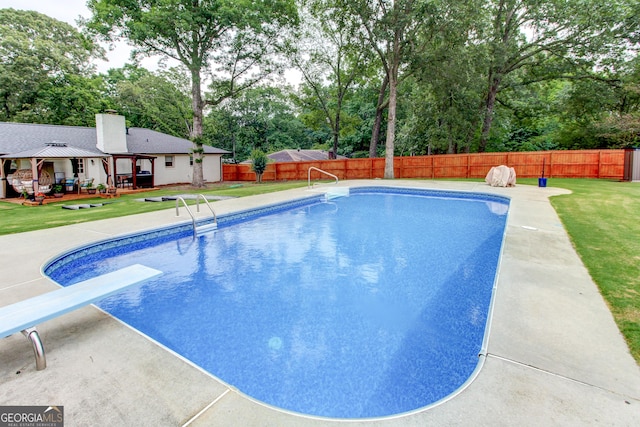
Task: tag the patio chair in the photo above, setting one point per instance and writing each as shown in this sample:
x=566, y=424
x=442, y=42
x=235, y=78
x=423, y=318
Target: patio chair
x=28, y=187
x=70, y=184
x=86, y=185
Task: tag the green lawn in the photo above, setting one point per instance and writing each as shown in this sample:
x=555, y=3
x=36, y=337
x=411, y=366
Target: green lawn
x=16, y=218
x=601, y=217
x=603, y=220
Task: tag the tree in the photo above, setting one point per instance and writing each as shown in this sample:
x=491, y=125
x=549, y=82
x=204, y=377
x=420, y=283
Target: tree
x=381, y=105
x=360, y=120
x=71, y=100
x=260, y=118
x=40, y=56
x=395, y=30
x=447, y=83
x=153, y=100
x=546, y=39
x=196, y=32
x=604, y=112
x=331, y=67
x=259, y=162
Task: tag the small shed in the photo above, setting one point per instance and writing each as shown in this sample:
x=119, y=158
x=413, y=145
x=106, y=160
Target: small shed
x=632, y=164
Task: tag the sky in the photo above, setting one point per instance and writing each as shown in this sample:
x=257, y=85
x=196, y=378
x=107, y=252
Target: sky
x=69, y=11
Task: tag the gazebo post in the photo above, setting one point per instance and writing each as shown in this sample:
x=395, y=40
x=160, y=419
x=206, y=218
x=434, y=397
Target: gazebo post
x=34, y=175
x=3, y=180
x=111, y=174
x=134, y=172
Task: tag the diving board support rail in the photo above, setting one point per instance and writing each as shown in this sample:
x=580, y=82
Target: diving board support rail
x=38, y=349
x=23, y=316
x=321, y=171
x=201, y=228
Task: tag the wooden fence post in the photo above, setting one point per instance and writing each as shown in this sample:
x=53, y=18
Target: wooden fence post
x=599, y=162
x=468, y=164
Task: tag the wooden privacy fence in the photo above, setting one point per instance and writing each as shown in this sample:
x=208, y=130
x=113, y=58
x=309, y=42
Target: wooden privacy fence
x=557, y=164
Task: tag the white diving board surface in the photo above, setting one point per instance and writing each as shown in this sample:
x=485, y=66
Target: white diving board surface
x=28, y=313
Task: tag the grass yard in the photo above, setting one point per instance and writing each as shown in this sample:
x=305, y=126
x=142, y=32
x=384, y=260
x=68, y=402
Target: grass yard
x=603, y=221
x=601, y=217
x=15, y=218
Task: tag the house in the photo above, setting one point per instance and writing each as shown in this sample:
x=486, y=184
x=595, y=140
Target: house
x=300, y=155
x=110, y=153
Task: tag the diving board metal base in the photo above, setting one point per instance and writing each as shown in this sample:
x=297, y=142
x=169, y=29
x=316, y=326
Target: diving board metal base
x=38, y=349
x=23, y=316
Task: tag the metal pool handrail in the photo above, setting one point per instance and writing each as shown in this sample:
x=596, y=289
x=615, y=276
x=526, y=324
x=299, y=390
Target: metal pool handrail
x=193, y=218
x=321, y=171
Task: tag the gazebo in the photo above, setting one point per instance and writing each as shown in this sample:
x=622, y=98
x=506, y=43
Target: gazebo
x=136, y=178
x=35, y=179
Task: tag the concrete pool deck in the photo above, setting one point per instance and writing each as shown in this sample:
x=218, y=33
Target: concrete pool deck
x=554, y=354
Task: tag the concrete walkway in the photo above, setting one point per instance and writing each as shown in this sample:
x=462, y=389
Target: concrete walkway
x=555, y=355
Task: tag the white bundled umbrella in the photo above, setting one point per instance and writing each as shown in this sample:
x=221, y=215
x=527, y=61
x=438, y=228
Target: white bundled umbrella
x=501, y=176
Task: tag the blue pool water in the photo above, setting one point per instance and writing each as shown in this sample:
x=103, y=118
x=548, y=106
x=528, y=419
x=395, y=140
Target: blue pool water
x=364, y=306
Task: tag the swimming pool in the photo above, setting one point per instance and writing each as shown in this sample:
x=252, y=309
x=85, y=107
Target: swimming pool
x=362, y=306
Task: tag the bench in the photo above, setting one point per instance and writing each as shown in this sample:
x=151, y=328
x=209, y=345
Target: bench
x=23, y=316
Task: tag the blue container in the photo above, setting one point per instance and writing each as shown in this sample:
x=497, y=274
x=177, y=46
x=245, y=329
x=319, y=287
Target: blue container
x=542, y=182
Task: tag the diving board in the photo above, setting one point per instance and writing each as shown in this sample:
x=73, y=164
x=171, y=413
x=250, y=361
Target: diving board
x=23, y=316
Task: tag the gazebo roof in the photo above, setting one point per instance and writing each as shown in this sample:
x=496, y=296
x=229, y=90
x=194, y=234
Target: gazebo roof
x=55, y=151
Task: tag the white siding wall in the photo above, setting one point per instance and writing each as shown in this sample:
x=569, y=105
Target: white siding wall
x=95, y=171
x=182, y=171
x=212, y=168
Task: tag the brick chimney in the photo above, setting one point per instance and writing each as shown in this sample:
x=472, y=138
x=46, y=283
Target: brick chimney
x=111, y=133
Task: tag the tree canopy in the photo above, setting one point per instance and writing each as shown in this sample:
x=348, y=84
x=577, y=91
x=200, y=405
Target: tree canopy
x=437, y=76
x=233, y=34
x=42, y=62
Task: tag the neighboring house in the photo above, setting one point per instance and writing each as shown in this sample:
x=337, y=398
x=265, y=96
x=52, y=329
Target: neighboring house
x=110, y=153
x=300, y=155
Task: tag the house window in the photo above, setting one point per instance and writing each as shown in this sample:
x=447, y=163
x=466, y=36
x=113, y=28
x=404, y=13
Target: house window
x=80, y=165
x=190, y=160
x=168, y=161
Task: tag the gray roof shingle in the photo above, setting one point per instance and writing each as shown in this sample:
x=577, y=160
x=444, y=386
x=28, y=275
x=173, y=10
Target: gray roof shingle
x=24, y=137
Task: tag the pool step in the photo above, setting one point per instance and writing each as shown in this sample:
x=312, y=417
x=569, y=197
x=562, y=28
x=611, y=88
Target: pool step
x=207, y=228
x=334, y=193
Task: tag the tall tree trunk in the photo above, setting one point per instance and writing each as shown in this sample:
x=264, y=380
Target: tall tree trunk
x=392, y=73
x=380, y=106
x=336, y=129
x=196, y=131
x=494, y=84
x=391, y=124
x=451, y=143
